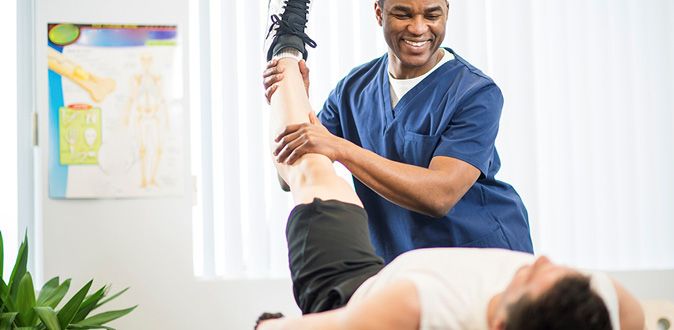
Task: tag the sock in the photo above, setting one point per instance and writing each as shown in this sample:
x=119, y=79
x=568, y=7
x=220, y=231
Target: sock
x=288, y=53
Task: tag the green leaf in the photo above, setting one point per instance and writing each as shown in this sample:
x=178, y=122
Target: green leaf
x=68, y=311
x=48, y=317
x=111, y=298
x=58, y=295
x=6, y=299
x=47, y=290
x=6, y=320
x=26, y=301
x=2, y=257
x=2, y=295
x=89, y=304
x=19, y=268
x=53, y=298
x=105, y=317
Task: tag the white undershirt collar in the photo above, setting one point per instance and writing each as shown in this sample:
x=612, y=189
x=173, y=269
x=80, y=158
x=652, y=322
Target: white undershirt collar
x=400, y=87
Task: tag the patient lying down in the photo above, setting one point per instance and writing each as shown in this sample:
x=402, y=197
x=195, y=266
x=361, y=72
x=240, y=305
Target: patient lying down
x=339, y=282
x=455, y=288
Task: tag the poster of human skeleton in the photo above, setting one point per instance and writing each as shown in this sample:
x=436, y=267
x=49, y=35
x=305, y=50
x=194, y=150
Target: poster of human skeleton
x=115, y=111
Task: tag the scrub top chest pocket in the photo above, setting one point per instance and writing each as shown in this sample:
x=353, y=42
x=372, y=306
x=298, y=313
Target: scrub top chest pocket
x=418, y=148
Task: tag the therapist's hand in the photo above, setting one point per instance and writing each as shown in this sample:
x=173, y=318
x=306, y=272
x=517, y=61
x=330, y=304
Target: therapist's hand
x=273, y=74
x=300, y=139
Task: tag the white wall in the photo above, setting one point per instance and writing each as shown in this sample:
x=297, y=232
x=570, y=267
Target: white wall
x=648, y=285
x=8, y=134
x=146, y=243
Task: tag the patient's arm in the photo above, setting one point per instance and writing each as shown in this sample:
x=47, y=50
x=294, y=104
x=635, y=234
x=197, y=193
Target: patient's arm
x=395, y=307
x=332, y=320
x=631, y=313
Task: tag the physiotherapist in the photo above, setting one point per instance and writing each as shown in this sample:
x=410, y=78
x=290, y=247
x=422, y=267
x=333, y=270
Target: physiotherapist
x=416, y=128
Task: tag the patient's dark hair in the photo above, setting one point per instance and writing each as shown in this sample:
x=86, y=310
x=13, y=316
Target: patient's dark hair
x=569, y=304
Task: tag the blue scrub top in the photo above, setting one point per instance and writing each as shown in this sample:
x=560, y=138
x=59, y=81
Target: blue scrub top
x=453, y=112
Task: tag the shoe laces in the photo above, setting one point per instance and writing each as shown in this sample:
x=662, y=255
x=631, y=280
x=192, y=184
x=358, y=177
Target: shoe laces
x=284, y=26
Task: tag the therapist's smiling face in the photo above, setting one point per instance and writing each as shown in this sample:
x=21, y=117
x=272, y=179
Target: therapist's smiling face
x=414, y=30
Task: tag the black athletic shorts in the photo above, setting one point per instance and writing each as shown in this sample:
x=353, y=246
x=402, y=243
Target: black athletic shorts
x=330, y=253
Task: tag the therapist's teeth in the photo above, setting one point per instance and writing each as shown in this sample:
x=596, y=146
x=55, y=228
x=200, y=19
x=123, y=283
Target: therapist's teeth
x=416, y=44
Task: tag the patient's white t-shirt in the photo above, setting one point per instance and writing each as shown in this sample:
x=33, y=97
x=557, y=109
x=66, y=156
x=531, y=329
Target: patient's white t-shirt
x=454, y=285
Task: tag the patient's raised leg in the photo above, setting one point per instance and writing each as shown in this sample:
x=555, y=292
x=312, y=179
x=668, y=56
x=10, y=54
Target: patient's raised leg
x=329, y=247
x=313, y=175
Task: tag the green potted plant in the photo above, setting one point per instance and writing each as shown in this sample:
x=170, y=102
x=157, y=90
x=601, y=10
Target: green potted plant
x=22, y=308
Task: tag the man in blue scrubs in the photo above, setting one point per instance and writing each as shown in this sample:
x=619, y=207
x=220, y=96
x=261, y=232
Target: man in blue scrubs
x=416, y=128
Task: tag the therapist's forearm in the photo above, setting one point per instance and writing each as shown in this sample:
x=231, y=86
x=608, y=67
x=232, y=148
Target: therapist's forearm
x=419, y=189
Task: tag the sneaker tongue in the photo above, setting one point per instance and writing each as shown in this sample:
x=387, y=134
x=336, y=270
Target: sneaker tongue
x=296, y=20
x=296, y=12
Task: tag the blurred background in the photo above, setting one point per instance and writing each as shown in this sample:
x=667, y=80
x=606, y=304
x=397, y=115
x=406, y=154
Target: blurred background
x=586, y=138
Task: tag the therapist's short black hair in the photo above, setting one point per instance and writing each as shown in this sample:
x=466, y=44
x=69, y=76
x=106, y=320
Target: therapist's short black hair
x=569, y=304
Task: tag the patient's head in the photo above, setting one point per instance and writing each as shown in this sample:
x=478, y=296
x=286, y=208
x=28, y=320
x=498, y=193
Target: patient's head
x=549, y=296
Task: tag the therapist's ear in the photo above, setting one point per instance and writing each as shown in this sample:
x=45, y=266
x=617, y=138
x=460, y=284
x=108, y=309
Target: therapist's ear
x=378, y=12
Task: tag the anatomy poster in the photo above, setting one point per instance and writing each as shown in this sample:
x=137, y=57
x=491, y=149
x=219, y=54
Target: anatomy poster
x=115, y=111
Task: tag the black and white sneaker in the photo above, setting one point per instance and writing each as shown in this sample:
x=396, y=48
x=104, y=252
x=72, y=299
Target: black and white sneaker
x=287, y=24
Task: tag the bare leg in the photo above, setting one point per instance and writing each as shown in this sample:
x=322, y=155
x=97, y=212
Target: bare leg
x=320, y=234
x=312, y=176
